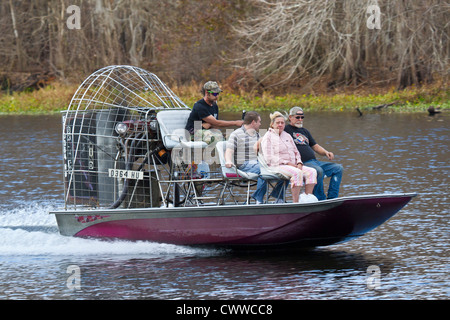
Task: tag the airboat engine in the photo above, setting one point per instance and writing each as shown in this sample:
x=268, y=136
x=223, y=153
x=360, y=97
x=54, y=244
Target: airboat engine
x=111, y=139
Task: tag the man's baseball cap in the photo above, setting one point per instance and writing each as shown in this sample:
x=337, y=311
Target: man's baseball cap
x=295, y=110
x=212, y=86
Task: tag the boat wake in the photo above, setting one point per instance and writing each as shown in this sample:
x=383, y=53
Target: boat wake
x=29, y=230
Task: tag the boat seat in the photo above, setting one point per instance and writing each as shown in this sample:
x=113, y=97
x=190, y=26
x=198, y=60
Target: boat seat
x=271, y=176
x=175, y=137
x=172, y=125
x=233, y=173
x=266, y=172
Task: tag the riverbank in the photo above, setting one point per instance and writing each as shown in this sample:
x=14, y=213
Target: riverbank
x=56, y=97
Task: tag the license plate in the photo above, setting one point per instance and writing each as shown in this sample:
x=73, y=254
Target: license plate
x=126, y=174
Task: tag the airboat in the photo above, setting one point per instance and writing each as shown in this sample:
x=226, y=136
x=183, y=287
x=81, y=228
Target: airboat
x=131, y=172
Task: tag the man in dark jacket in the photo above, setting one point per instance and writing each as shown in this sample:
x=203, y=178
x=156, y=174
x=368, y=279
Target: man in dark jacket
x=207, y=111
x=307, y=147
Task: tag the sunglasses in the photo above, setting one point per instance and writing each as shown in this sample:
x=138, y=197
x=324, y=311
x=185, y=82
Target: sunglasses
x=215, y=94
x=299, y=117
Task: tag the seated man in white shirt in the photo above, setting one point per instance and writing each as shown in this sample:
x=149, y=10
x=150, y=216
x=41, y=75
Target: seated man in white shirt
x=240, y=151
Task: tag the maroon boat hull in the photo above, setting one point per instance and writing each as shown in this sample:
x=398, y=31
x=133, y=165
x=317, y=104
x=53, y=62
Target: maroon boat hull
x=316, y=224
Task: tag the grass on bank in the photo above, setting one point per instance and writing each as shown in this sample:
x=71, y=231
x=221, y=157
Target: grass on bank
x=51, y=99
x=55, y=98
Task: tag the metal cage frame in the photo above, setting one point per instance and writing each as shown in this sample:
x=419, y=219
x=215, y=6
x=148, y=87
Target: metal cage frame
x=115, y=154
x=96, y=154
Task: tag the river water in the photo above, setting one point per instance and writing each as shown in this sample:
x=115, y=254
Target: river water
x=405, y=258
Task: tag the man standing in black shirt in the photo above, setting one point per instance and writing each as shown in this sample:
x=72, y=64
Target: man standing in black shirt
x=307, y=147
x=207, y=111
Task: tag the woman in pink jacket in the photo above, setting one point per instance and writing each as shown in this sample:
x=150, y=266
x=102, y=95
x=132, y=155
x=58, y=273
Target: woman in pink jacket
x=281, y=155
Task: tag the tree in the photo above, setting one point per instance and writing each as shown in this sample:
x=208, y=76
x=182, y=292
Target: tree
x=184, y=40
x=276, y=42
x=286, y=41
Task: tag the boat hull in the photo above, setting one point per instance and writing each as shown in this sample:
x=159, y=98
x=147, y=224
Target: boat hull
x=300, y=225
